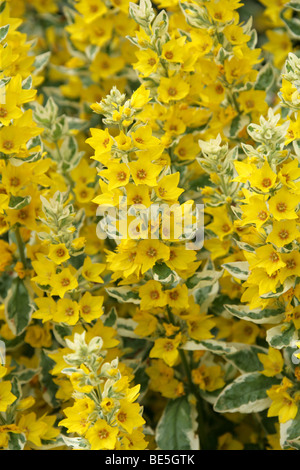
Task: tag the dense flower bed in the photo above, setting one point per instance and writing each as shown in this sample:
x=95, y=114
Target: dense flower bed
x=149, y=224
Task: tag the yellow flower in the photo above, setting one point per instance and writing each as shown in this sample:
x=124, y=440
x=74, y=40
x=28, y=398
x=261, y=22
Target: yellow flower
x=46, y=308
x=208, y=377
x=273, y=362
x=91, y=271
x=134, y=441
x=143, y=138
x=140, y=97
x=63, y=282
x=283, y=233
x=199, y=326
x=117, y=174
x=147, y=63
x=172, y=89
x=102, y=436
x=91, y=9
x=166, y=349
x=221, y=225
x=144, y=172
x=67, y=312
x=101, y=141
x=107, y=404
x=187, y=148
x=128, y=416
x=58, y=253
x=8, y=107
x=235, y=34
x=150, y=251
x=221, y=12
x=253, y=101
x=180, y=258
x=90, y=307
x=138, y=194
x=245, y=332
x=268, y=258
x=38, y=337
x=283, y=405
x=152, y=295
x=167, y=188
x=6, y=397
x=147, y=323
x=283, y=204
x=33, y=428
x=173, y=50
x=291, y=265
x=178, y=296
x=255, y=211
x=263, y=178
x=77, y=417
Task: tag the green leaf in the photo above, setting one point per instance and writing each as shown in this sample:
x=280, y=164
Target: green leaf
x=46, y=379
x=40, y=62
x=60, y=332
x=238, y=269
x=236, y=126
x=26, y=375
x=27, y=83
x=246, y=394
x=124, y=294
x=217, y=347
x=18, y=307
x=176, y=427
x=3, y=32
x=281, y=336
x=126, y=327
x=2, y=6
x=18, y=202
x=163, y=273
x=246, y=359
x=293, y=25
x=265, y=78
x=293, y=5
x=111, y=318
x=17, y=441
x=290, y=433
x=267, y=315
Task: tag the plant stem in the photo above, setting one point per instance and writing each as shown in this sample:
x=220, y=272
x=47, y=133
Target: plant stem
x=193, y=389
x=21, y=247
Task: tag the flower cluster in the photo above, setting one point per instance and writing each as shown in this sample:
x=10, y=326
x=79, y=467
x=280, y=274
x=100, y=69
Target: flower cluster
x=149, y=225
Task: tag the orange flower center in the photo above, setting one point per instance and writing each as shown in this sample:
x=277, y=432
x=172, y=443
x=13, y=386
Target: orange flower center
x=169, y=55
x=172, y=91
x=103, y=434
x=151, y=252
x=8, y=144
x=151, y=61
x=60, y=252
x=266, y=182
x=3, y=112
x=141, y=174
x=281, y=207
x=122, y=417
x=274, y=257
x=121, y=176
x=174, y=295
x=291, y=264
x=283, y=234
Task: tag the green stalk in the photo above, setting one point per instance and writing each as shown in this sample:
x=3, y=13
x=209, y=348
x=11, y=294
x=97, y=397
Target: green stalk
x=193, y=389
x=21, y=247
